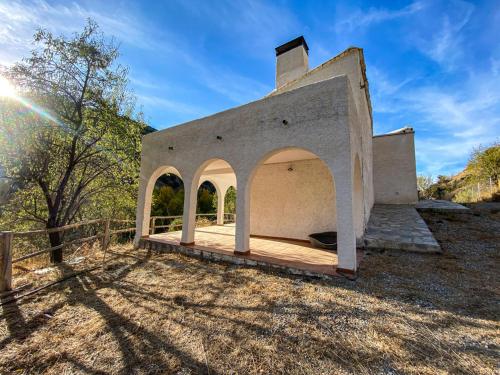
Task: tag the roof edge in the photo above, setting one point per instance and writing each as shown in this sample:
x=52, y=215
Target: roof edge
x=344, y=53
x=403, y=131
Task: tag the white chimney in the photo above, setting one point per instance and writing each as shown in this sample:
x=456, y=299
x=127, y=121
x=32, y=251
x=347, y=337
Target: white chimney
x=292, y=61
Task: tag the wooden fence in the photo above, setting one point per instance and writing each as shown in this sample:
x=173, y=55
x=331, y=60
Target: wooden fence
x=6, y=240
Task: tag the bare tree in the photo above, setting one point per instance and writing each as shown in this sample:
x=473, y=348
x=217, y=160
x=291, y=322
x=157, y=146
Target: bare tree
x=423, y=184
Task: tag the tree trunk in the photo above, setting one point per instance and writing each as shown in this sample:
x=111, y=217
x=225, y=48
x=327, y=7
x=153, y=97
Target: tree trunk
x=55, y=238
x=56, y=256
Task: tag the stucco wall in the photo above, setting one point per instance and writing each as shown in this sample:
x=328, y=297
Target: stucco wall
x=314, y=117
x=394, y=170
x=292, y=204
x=349, y=63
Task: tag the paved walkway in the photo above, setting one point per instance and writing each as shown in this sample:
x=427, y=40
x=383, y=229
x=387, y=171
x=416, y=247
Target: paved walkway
x=399, y=227
x=436, y=205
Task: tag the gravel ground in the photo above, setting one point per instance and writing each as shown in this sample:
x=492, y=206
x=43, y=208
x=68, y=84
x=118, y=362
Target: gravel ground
x=165, y=313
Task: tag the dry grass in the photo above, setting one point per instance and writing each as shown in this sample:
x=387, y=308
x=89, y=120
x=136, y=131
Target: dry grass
x=37, y=271
x=165, y=313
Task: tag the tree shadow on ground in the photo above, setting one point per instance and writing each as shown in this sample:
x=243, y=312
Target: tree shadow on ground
x=332, y=325
x=122, y=328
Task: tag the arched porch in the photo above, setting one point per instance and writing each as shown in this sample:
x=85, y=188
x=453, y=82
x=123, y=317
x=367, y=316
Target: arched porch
x=314, y=130
x=287, y=194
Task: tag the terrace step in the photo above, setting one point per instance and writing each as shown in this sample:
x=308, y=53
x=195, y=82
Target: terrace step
x=441, y=206
x=399, y=227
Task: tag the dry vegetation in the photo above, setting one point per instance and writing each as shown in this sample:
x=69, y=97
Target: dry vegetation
x=165, y=313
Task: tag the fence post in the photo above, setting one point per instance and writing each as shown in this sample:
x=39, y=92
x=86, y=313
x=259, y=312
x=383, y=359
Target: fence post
x=153, y=223
x=5, y=261
x=106, y=237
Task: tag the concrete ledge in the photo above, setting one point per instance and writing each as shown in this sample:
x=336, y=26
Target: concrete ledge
x=399, y=227
x=441, y=206
x=406, y=246
x=158, y=246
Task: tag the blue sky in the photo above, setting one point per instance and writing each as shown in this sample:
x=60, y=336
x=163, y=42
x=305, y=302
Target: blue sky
x=433, y=65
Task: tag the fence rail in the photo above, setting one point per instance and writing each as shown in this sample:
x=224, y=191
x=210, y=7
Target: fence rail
x=153, y=225
x=6, y=240
x=60, y=229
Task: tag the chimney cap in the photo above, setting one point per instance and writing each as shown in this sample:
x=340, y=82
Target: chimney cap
x=300, y=41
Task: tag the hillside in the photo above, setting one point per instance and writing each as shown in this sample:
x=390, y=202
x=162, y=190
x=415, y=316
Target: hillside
x=478, y=181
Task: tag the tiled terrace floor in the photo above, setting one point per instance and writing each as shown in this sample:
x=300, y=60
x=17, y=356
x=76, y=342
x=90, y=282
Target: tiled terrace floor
x=286, y=253
x=390, y=227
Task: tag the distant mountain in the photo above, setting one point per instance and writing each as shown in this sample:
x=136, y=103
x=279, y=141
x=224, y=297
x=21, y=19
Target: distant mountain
x=169, y=180
x=148, y=129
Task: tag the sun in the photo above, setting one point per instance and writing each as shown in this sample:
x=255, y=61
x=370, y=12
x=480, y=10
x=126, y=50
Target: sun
x=6, y=88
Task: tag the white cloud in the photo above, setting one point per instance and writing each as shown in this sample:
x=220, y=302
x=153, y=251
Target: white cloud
x=449, y=120
x=258, y=26
x=22, y=18
x=384, y=92
x=235, y=87
x=359, y=19
x=443, y=44
x=495, y=66
x=471, y=111
x=171, y=105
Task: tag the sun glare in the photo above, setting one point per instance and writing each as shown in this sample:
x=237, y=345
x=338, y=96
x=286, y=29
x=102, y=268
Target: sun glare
x=6, y=89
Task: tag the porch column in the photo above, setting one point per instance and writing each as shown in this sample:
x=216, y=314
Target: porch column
x=189, y=215
x=242, y=245
x=143, y=212
x=346, y=235
x=221, y=193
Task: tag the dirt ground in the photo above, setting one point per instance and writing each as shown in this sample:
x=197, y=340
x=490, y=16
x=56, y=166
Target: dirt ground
x=164, y=313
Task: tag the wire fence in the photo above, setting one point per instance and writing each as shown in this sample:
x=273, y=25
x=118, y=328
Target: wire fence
x=480, y=191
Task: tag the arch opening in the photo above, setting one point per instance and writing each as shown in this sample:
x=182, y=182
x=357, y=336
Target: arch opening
x=230, y=205
x=292, y=195
x=163, y=197
x=207, y=197
x=206, y=204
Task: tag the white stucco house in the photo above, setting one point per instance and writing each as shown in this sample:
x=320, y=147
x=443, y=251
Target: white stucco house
x=303, y=159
